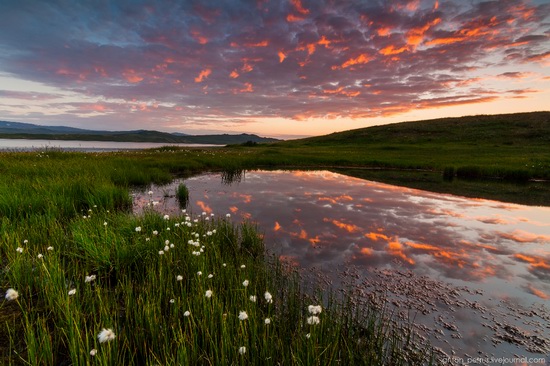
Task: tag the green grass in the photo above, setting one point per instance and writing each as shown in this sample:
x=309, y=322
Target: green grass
x=64, y=217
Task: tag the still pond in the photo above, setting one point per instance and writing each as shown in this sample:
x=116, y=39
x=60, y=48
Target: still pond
x=472, y=275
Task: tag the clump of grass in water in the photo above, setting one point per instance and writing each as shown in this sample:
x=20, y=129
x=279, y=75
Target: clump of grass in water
x=182, y=194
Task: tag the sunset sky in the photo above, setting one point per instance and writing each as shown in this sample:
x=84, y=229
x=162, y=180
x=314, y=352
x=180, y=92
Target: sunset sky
x=284, y=68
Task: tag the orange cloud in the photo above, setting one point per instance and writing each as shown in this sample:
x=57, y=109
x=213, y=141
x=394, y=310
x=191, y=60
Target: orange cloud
x=361, y=59
x=282, y=56
x=538, y=292
x=233, y=209
x=277, y=226
x=391, y=50
x=384, y=31
x=198, y=37
x=203, y=206
x=415, y=36
x=131, y=76
x=203, y=75
x=234, y=74
x=350, y=228
x=264, y=43
x=299, y=7
x=324, y=42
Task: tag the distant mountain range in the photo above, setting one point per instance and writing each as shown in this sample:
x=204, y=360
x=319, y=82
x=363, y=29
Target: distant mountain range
x=18, y=130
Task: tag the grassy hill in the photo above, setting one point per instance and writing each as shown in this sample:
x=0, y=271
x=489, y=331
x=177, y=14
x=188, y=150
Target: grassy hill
x=507, y=129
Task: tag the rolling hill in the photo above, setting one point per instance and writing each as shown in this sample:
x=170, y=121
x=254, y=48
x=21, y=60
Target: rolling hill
x=18, y=130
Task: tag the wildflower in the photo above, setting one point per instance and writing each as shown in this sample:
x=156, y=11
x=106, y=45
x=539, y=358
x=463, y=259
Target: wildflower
x=11, y=294
x=19, y=249
x=314, y=309
x=242, y=350
x=243, y=315
x=106, y=335
x=267, y=321
x=312, y=320
x=72, y=292
x=40, y=256
x=138, y=229
x=89, y=278
x=49, y=248
x=93, y=352
x=187, y=313
x=166, y=217
x=245, y=283
x=208, y=293
x=252, y=298
x=268, y=297
x=179, y=278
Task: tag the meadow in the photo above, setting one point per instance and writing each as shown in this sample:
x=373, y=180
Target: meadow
x=86, y=282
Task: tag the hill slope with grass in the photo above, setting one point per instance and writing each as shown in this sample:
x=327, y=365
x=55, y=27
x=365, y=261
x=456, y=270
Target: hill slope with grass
x=507, y=129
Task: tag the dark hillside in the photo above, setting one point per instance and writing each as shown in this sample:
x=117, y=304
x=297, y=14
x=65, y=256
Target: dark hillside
x=507, y=129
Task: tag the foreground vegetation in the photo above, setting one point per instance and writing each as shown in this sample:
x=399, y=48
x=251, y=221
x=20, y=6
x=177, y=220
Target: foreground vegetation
x=84, y=281
x=80, y=262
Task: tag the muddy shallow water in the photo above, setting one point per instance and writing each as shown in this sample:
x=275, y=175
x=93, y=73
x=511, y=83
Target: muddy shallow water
x=472, y=275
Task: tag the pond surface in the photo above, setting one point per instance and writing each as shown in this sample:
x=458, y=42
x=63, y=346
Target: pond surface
x=86, y=146
x=474, y=274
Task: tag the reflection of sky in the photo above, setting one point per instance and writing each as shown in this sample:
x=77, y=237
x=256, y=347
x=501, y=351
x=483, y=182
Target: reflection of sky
x=328, y=221
x=318, y=219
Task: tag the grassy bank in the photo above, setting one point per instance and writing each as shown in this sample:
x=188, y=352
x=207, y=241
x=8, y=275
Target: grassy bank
x=98, y=285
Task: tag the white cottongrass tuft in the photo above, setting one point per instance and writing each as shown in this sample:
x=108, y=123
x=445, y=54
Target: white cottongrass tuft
x=245, y=283
x=312, y=320
x=208, y=293
x=242, y=350
x=252, y=298
x=210, y=275
x=39, y=256
x=166, y=217
x=179, y=278
x=172, y=301
x=106, y=335
x=11, y=294
x=228, y=215
x=166, y=248
x=268, y=297
x=138, y=229
x=72, y=292
x=93, y=352
x=19, y=249
x=308, y=335
x=49, y=248
x=243, y=315
x=199, y=273
x=243, y=266
x=155, y=232
x=314, y=309
x=89, y=278
x=161, y=252
x=187, y=313
x=267, y=321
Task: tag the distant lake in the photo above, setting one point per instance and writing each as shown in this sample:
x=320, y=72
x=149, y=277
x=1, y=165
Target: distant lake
x=75, y=145
x=473, y=273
